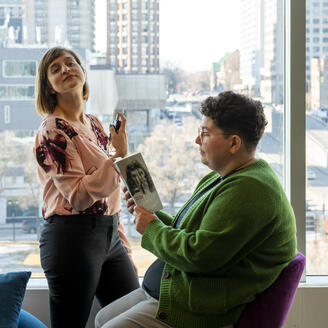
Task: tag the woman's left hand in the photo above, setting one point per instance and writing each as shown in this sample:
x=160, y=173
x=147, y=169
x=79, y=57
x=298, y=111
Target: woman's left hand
x=142, y=218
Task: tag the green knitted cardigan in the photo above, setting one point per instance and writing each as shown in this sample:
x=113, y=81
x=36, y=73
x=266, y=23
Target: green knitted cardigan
x=231, y=245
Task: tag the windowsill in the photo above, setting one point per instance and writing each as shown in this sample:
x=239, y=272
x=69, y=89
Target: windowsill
x=311, y=281
x=315, y=281
x=41, y=283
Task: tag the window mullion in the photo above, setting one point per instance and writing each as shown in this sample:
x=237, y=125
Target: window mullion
x=295, y=128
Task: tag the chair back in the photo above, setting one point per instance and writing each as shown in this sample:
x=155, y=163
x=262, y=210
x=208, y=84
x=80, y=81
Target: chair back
x=270, y=308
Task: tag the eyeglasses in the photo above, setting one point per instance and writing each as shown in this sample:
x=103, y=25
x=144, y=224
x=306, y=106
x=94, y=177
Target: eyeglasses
x=203, y=133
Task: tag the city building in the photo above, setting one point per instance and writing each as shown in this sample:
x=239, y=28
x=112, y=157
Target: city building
x=251, y=45
x=11, y=22
x=67, y=22
x=271, y=84
x=319, y=85
x=228, y=76
x=133, y=35
x=316, y=40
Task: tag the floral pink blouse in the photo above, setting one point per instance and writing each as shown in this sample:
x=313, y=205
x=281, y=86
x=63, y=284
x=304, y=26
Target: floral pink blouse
x=76, y=170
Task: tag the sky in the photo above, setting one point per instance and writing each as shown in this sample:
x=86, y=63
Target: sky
x=193, y=33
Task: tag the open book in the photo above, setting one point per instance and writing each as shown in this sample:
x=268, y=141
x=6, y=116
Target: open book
x=137, y=179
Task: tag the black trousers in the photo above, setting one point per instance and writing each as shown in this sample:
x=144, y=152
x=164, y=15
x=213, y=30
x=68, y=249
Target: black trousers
x=82, y=257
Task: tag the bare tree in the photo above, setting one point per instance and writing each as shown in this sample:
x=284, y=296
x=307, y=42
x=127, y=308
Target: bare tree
x=173, y=75
x=173, y=160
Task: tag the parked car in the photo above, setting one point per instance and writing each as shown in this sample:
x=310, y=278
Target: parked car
x=30, y=225
x=310, y=175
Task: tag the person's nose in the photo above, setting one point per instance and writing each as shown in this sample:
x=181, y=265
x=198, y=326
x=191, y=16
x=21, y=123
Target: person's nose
x=198, y=140
x=66, y=69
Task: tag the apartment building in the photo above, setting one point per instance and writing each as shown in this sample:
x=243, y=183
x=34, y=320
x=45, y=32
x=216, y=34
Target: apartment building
x=133, y=36
x=68, y=22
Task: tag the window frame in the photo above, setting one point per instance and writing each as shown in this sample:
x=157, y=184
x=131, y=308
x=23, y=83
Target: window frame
x=294, y=114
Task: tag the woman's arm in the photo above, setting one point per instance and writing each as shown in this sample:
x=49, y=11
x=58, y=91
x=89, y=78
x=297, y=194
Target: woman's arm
x=59, y=159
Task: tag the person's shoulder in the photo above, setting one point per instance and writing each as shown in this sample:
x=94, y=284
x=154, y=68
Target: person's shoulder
x=52, y=124
x=258, y=179
x=94, y=119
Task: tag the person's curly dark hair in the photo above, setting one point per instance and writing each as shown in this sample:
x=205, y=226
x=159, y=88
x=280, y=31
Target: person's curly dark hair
x=236, y=114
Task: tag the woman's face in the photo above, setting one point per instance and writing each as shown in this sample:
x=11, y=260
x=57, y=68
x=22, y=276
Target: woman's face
x=65, y=74
x=139, y=179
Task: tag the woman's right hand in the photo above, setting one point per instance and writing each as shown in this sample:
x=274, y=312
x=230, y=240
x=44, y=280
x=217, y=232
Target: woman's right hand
x=119, y=139
x=130, y=204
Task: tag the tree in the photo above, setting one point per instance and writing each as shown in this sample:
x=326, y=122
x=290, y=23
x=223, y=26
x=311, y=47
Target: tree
x=174, y=77
x=173, y=161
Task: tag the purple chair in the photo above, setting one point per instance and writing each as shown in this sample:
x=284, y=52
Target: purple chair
x=270, y=308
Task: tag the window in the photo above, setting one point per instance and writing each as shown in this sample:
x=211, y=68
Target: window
x=135, y=4
x=14, y=68
x=7, y=114
x=260, y=74
x=16, y=92
x=316, y=222
x=315, y=40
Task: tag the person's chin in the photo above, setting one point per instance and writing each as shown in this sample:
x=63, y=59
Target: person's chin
x=203, y=160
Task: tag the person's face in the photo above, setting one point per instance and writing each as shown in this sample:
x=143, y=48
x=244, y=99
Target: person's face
x=142, y=176
x=214, y=145
x=139, y=178
x=65, y=74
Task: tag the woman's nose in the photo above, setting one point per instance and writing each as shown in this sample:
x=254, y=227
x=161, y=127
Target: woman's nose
x=66, y=69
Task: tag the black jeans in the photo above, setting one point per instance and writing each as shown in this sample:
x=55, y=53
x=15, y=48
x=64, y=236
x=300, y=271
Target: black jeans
x=82, y=257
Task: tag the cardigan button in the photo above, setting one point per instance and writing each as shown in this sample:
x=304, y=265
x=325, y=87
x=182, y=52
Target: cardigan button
x=167, y=275
x=162, y=315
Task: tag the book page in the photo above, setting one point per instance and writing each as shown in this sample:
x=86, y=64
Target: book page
x=139, y=182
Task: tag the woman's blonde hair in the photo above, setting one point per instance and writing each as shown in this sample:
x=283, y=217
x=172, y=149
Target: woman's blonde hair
x=46, y=100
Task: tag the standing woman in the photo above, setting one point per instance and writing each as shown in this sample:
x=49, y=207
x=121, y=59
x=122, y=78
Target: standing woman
x=84, y=251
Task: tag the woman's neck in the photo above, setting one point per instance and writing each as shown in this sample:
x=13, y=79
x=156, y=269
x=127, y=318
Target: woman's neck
x=70, y=110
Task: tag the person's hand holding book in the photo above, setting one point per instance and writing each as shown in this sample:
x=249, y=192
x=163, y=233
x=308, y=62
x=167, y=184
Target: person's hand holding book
x=130, y=204
x=142, y=218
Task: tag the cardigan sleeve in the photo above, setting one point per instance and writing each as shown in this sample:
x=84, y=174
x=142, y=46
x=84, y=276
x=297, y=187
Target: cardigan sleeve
x=230, y=222
x=164, y=217
x=59, y=159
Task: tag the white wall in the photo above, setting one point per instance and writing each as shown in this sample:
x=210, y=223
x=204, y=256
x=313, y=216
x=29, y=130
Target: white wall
x=309, y=309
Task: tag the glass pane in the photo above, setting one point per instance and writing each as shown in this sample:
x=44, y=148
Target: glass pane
x=161, y=74
x=20, y=68
x=316, y=137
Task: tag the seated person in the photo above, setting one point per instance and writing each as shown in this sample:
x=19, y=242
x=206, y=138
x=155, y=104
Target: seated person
x=227, y=244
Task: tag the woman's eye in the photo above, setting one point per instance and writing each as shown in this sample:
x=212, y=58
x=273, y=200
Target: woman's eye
x=71, y=64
